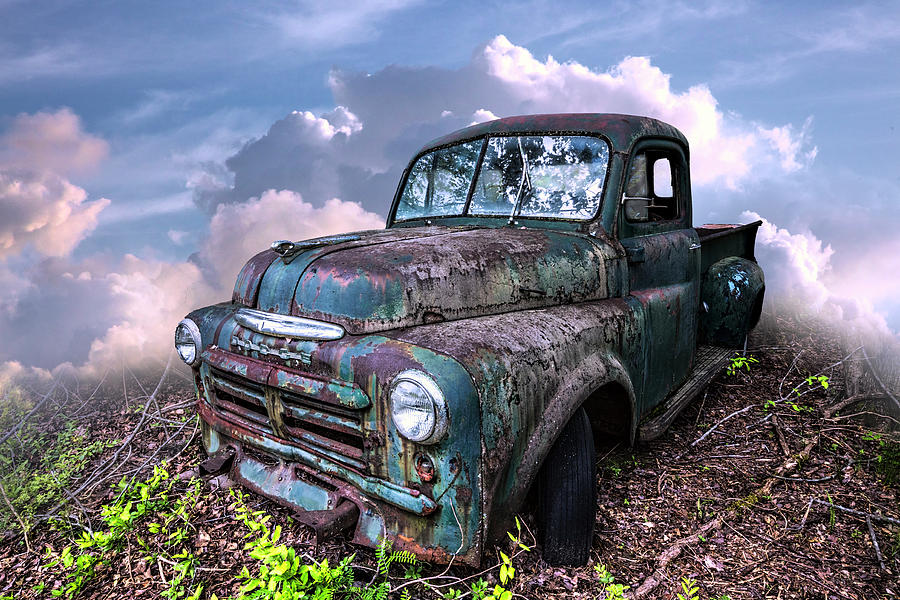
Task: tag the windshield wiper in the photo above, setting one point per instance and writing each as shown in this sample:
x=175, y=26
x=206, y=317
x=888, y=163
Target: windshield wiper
x=526, y=180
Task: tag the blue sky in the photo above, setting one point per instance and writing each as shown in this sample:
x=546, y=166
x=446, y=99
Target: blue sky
x=182, y=116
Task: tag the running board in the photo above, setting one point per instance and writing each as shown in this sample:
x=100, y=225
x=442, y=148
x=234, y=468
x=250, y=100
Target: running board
x=710, y=361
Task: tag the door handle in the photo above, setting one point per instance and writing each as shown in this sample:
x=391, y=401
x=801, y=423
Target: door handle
x=635, y=254
x=694, y=246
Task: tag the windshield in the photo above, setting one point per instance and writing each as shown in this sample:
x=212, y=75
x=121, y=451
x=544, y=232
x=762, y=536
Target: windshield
x=544, y=176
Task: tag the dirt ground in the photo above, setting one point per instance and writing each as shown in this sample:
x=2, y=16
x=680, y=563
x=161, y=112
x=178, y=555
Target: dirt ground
x=756, y=491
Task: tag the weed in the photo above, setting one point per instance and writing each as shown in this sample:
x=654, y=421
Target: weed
x=739, y=363
x=39, y=469
x=689, y=590
x=613, y=590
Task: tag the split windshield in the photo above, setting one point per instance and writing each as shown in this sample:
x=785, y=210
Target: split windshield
x=544, y=176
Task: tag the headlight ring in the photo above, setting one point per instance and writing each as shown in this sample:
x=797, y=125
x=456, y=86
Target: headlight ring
x=418, y=407
x=187, y=341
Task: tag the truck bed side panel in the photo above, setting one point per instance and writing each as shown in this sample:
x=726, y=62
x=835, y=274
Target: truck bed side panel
x=721, y=241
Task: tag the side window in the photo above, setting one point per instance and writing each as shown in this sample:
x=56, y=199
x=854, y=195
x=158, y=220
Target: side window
x=650, y=190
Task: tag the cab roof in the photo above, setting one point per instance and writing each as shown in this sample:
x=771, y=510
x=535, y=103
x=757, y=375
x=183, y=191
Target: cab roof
x=621, y=130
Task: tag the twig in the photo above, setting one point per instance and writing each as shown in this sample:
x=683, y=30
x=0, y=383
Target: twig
x=875, y=543
x=834, y=409
x=101, y=473
x=778, y=433
x=878, y=379
x=702, y=404
x=714, y=427
x=675, y=550
x=806, y=514
x=36, y=407
x=18, y=518
x=858, y=513
x=790, y=368
x=866, y=412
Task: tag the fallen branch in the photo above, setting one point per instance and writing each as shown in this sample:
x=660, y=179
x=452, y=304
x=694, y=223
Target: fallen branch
x=875, y=543
x=780, y=435
x=716, y=426
x=18, y=518
x=857, y=513
x=878, y=380
x=675, y=550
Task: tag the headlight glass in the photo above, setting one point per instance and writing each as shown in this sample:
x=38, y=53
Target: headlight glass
x=418, y=408
x=187, y=341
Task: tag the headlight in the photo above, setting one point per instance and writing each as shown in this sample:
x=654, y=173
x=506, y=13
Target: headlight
x=418, y=408
x=187, y=341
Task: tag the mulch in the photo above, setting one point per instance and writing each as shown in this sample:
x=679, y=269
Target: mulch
x=667, y=509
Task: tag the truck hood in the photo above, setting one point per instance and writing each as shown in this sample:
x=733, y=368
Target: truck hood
x=379, y=280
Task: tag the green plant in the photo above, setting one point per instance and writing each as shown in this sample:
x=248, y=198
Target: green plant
x=738, y=363
x=611, y=589
x=689, y=590
x=37, y=469
x=136, y=503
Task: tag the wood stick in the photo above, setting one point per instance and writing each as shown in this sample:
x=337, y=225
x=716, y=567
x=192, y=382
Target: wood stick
x=878, y=379
x=18, y=518
x=875, y=543
x=858, y=513
x=778, y=433
x=675, y=550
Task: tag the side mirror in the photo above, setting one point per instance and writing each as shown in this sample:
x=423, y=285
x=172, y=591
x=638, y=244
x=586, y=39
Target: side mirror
x=636, y=209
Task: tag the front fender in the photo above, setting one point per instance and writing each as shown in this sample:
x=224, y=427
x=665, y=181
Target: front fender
x=596, y=371
x=532, y=370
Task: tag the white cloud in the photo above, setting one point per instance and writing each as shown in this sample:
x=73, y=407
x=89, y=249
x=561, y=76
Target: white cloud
x=799, y=273
x=39, y=208
x=325, y=24
x=44, y=211
x=52, y=142
x=358, y=151
x=103, y=311
x=795, y=150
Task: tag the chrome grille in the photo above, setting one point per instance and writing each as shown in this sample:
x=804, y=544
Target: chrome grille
x=330, y=431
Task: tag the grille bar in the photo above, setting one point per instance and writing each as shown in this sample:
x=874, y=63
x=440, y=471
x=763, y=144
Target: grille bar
x=331, y=431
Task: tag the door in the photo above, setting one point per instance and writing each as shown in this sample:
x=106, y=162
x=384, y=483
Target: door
x=662, y=250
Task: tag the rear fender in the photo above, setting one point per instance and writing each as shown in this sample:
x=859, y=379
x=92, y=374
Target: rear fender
x=731, y=300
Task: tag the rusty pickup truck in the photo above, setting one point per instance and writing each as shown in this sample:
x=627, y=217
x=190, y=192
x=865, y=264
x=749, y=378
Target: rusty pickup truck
x=538, y=284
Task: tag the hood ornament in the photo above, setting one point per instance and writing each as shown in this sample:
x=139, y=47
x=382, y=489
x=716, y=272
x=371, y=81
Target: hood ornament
x=282, y=247
x=287, y=249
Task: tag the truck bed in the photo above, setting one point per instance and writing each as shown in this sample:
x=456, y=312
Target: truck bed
x=720, y=241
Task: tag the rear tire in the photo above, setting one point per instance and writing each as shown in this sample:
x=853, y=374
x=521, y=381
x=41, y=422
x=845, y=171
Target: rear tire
x=567, y=495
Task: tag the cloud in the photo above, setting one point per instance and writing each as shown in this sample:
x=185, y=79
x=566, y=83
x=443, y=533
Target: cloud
x=51, y=142
x=323, y=24
x=44, y=211
x=104, y=311
x=358, y=151
x=39, y=208
x=798, y=268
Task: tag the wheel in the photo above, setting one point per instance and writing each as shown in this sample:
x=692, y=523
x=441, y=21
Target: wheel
x=567, y=495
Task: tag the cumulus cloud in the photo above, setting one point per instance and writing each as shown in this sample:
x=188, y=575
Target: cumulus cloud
x=358, y=151
x=39, y=207
x=313, y=175
x=800, y=275
x=45, y=211
x=102, y=311
x=51, y=142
